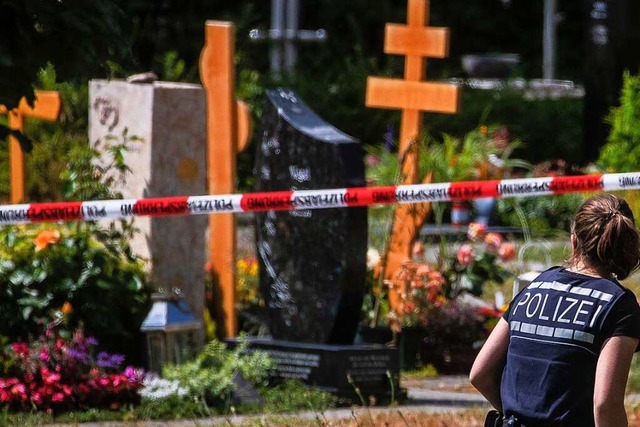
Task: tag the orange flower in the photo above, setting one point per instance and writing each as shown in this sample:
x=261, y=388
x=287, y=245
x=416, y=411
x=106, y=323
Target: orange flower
x=66, y=308
x=46, y=238
x=493, y=242
x=423, y=270
x=476, y=231
x=484, y=129
x=507, y=251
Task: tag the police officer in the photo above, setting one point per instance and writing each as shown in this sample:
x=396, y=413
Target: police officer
x=561, y=354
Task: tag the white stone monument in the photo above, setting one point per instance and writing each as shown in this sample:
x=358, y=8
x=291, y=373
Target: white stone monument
x=170, y=160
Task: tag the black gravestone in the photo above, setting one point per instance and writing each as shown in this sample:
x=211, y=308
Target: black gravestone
x=349, y=371
x=312, y=262
x=611, y=39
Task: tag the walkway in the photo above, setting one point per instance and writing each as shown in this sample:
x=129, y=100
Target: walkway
x=440, y=394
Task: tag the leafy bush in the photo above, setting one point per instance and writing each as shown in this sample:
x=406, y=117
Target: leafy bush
x=621, y=153
x=78, y=268
x=87, y=267
x=548, y=128
x=208, y=379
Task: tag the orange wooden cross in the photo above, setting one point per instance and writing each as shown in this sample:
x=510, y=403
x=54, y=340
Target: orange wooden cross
x=228, y=131
x=413, y=96
x=45, y=107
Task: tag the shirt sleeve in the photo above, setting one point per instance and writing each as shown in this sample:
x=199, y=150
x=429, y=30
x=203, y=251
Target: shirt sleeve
x=624, y=318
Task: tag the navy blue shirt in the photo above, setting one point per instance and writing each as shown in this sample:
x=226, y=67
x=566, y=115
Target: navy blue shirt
x=558, y=325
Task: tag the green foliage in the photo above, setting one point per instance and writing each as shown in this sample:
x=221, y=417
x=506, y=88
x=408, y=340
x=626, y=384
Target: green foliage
x=292, y=395
x=547, y=128
x=209, y=378
x=173, y=68
x=90, y=268
x=621, y=153
x=88, y=265
x=546, y=215
x=73, y=35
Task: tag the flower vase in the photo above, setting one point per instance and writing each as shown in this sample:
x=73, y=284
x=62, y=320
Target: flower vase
x=373, y=335
x=449, y=359
x=460, y=212
x=410, y=347
x=484, y=208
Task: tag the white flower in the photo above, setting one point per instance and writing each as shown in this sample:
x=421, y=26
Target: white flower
x=373, y=258
x=155, y=388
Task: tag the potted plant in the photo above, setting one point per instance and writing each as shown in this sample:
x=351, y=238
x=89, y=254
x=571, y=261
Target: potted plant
x=440, y=318
x=481, y=154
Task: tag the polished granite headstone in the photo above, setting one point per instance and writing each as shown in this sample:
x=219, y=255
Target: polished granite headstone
x=312, y=262
x=348, y=371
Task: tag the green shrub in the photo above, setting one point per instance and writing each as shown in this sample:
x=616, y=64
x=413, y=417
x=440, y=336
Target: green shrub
x=86, y=267
x=621, y=153
x=208, y=379
x=293, y=395
x=548, y=128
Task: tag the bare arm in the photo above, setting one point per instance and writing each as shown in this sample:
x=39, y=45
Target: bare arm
x=486, y=371
x=612, y=372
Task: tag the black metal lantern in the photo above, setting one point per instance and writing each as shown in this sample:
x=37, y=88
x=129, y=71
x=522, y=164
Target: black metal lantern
x=171, y=331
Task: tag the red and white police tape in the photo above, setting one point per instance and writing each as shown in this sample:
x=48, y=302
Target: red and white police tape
x=314, y=199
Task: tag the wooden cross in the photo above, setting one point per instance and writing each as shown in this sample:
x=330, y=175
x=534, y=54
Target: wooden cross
x=228, y=131
x=45, y=107
x=413, y=96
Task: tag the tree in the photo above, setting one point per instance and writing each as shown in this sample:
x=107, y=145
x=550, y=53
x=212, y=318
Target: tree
x=77, y=36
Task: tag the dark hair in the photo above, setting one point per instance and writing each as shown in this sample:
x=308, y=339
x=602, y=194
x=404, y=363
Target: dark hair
x=606, y=237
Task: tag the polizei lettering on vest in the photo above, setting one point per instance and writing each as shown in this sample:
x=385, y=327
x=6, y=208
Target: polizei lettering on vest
x=571, y=310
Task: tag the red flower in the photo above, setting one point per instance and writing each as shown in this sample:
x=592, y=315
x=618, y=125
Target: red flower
x=20, y=348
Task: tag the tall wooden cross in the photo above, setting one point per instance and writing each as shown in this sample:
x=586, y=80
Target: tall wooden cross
x=45, y=107
x=413, y=96
x=228, y=131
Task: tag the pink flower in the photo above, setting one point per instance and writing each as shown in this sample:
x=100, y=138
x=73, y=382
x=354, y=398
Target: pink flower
x=371, y=160
x=36, y=398
x=44, y=356
x=423, y=270
x=493, y=242
x=418, y=249
x=57, y=397
x=466, y=255
x=49, y=377
x=507, y=251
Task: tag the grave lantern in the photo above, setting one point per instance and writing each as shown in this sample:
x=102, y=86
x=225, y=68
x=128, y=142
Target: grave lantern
x=170, y=329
